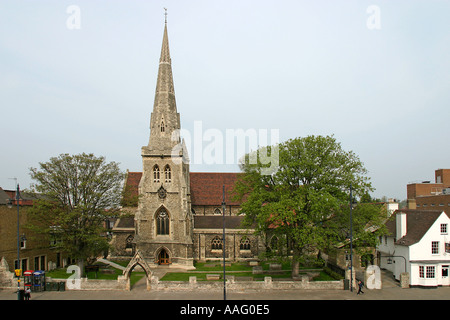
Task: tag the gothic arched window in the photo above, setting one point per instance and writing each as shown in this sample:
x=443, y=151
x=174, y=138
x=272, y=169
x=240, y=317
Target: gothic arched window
x=167, y=174
x=217, y=211
x=216, y=243
x=163, y=128
x=156, y=173
x=245, y=244
x=162, y=222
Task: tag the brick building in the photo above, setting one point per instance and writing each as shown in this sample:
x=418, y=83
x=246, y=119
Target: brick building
x=427, y=195
x=36, y=251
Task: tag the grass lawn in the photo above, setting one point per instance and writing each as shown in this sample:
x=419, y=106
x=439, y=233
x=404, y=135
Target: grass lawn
x=237, y=269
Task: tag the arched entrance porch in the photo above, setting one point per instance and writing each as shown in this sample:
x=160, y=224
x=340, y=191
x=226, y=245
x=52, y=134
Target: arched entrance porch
x=138, y=259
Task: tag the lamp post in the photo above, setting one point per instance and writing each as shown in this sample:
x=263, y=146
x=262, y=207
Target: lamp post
x=351, y=241
x=223, y=244
x=18, y=269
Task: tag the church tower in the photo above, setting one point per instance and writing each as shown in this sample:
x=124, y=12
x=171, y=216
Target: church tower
x=164, y=224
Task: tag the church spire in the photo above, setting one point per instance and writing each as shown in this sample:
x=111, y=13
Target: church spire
x=165, y=54
x=164, y=119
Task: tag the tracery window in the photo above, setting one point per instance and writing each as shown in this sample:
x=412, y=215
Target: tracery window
x=167, y=174
x=156, y=173
x=162, y=222
x=217, y=211
x=245, y=244
x=163, y=128
x=216, y=243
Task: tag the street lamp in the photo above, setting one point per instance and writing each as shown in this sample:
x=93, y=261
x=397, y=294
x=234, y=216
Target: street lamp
x=351, y=240
x=223, y=244
x=19, y=238
x=389, y=259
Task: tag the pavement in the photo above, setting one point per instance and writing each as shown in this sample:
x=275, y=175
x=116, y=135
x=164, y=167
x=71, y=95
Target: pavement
x=390, y=291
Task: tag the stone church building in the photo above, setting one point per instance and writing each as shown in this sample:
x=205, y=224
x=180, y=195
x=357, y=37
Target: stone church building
x=171, y=215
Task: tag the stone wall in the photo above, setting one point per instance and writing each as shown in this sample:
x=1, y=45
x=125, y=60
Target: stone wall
x=93, y=284
x=232, y=284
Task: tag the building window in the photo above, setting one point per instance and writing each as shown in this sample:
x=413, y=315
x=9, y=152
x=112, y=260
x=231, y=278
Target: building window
x=167, y=174
x=129, y=242
x=435, y=247
x=444, y=271
x=156, y=173
x=217, y=211
x=421, y=272
x=43, y=263
x=245, y=244
x=430, y=272
x=163, y=128
x=162, y=223
x=443, y=228
x=447, y=247
x=216, y=243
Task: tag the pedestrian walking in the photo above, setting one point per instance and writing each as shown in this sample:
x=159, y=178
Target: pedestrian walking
x=360, y=286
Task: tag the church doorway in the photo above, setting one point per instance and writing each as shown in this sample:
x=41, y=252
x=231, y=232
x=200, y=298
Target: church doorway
x=163, y=257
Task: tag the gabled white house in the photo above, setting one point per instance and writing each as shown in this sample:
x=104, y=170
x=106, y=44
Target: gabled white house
x=418, y=243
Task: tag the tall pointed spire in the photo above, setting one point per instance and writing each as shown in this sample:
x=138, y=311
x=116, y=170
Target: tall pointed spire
x=164, y=118
x=165, y=54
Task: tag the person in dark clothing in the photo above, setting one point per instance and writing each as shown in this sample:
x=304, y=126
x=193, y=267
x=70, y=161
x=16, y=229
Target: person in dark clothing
x=360, y=286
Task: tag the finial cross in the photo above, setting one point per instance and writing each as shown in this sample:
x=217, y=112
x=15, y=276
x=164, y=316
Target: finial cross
x=165, y=15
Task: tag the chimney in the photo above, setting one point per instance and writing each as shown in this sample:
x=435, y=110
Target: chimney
x=400, y=224
x=411, y=204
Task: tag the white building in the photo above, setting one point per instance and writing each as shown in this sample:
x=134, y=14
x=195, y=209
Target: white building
x=420, y=239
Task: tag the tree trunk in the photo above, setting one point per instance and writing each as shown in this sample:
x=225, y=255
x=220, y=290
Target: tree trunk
x=295, y=262
x=80, y=264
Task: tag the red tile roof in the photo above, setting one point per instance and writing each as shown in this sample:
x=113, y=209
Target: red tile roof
x=206, y=187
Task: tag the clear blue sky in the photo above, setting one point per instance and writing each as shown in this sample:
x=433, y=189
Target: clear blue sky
x=302, y=67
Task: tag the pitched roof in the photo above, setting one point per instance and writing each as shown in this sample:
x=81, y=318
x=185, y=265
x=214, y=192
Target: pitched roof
x=3, y=197
x=206, y=187
x=418, y=222
x=125, y=223
x=216, y=222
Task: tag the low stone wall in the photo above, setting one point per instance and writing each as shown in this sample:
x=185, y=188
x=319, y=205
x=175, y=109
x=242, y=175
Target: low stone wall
x=93, y=284
x=232, y=284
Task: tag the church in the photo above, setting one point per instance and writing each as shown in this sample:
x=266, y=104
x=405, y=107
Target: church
x=171, y=215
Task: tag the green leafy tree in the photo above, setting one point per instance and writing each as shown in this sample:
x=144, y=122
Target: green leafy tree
x=306, y=198
x=81, y=192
